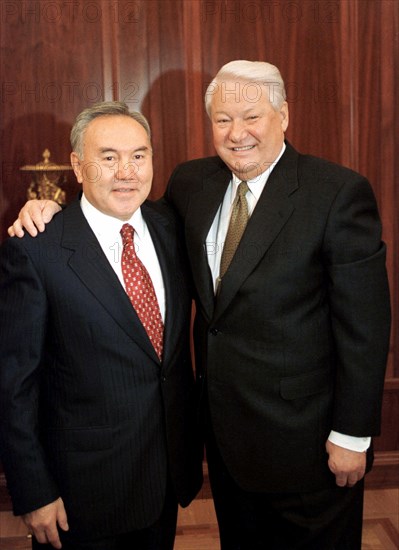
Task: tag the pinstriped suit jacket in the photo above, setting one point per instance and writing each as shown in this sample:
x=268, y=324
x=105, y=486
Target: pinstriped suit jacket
x=87, y=411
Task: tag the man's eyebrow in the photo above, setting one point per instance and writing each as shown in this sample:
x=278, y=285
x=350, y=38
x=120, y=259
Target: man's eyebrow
x=113, y=150
x=142, y=148
x=245, y=111
x=107, y=150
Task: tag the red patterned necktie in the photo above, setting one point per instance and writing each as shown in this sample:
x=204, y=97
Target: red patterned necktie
x=141, y=291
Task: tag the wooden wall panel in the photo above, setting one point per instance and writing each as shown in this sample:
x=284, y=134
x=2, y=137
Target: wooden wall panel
x=51, y=67
x=300, y=38
x=375, y=128
x=340, y=61
x=369, y=55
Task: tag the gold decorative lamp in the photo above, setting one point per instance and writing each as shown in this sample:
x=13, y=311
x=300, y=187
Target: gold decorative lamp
x=48, y=178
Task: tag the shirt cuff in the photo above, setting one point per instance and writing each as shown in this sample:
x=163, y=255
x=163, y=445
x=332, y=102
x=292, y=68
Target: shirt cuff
x=358, y=444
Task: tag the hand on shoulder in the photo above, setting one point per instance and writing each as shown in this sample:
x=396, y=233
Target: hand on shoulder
x=33, y=217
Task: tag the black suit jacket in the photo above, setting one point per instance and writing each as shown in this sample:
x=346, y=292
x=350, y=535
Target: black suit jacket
x=88, y=412
x=296, y=343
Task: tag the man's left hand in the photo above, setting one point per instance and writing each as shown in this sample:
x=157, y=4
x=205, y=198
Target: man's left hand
x=348, y=466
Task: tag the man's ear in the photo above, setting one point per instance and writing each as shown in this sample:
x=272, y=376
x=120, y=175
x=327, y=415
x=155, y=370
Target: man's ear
x=284, y=116
x=77, y=166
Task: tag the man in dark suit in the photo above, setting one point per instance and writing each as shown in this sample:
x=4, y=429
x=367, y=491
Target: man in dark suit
x=292, y=326
x=292, y=338
x=98, y=436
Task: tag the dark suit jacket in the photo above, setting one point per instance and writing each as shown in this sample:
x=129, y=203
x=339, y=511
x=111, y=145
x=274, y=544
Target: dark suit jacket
x=88, y=413
x=296, y=343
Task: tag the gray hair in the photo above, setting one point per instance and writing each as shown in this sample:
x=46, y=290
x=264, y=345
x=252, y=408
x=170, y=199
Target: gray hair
x=257, y=73
x=105, y=108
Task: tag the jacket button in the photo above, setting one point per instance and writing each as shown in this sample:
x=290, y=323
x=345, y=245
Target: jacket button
x=163, y=378
x=214, y=331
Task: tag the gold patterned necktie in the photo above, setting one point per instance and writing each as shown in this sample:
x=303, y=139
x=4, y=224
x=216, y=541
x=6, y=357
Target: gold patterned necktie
x=140, y=289
x=237, y=225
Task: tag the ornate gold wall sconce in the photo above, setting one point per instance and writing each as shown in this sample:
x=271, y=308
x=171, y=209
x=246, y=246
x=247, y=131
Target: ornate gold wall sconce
x=47, y=179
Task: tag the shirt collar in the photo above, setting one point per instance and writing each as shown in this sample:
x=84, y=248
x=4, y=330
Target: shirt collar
x=103, y=224
x=257, y=184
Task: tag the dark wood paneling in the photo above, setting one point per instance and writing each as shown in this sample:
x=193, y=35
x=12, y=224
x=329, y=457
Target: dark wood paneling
x=376, y=136
x=385, y=472
x=389, y=438
x=151, y=68
x=51, y=67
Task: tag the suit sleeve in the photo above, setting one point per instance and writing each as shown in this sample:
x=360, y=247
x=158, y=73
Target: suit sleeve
x=176, y=195
x=360, y=308
x=22, y=334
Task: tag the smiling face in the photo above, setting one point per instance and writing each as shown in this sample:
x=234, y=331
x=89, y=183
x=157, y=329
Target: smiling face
x=116, y=169
x=248, y=133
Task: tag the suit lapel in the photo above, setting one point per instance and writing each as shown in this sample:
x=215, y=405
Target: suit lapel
x=92, y=267
x=271, y=213
x=200, y=215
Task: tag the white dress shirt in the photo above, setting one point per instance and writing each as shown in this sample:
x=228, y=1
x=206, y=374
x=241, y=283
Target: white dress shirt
x=107, y=230
x=214, y=246
x=218, y=231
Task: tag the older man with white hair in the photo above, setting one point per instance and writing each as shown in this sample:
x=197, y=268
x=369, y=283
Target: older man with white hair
x=292, y=322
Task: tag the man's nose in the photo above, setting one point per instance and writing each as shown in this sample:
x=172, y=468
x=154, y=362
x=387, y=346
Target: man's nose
x=125, y=170
x=237, y=130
